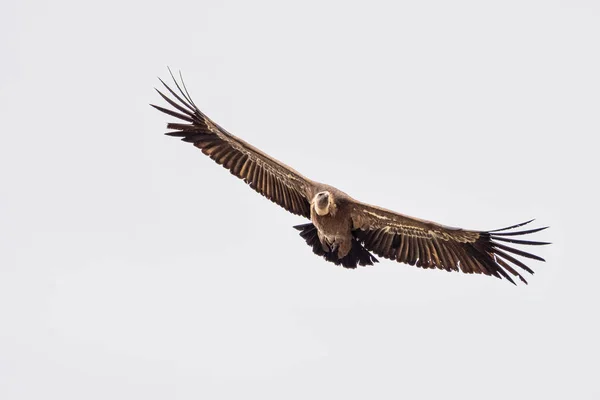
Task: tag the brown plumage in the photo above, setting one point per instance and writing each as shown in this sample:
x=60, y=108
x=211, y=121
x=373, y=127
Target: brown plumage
x=343, y=230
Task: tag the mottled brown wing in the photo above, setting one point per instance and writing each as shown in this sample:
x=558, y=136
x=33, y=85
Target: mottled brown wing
x=269, y=177
x=430, y=245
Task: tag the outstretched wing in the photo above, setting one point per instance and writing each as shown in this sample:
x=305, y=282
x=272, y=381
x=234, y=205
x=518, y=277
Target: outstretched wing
x=269, y=177
x=430, y=245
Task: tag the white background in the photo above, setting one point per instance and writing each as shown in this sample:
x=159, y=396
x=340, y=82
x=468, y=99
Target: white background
x=131, y=266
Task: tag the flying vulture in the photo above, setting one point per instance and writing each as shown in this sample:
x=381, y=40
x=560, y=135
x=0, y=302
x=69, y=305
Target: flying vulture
x=343, y=230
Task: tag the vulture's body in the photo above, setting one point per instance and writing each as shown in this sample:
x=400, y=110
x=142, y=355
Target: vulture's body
x=343, y=230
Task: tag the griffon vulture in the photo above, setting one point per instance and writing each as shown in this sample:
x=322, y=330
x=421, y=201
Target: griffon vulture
x=343, y=230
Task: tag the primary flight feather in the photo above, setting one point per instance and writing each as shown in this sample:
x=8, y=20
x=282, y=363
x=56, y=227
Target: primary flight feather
x=343, y=230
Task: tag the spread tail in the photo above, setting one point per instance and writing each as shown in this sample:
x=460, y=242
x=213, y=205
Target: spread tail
x=358, y=254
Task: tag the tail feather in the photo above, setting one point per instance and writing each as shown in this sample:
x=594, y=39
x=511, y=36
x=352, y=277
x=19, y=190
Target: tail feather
x=358, y=254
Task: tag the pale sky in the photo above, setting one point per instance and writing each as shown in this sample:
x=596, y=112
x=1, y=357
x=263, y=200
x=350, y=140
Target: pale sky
x=133, y=267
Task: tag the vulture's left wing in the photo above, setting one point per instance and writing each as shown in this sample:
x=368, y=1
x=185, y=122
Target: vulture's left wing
x=427, y=244
x=269, y=177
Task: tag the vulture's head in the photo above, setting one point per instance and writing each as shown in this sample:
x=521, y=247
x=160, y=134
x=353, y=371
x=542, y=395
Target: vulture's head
x=323, y=202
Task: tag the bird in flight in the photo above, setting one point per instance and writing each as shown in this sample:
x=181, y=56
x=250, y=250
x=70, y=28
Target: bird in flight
x=343, y=230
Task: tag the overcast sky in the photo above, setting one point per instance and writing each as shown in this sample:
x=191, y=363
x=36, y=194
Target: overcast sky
x=132, y=266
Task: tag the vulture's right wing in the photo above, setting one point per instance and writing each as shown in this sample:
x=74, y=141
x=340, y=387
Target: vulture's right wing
x=269, y=177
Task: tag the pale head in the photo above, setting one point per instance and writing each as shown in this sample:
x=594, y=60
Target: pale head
x=323, y=201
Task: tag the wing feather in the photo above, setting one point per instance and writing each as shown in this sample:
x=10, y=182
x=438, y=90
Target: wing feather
x=427, y=244
x=271, y=178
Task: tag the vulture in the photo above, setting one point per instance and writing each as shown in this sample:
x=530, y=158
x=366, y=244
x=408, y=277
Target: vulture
x=343, y=230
